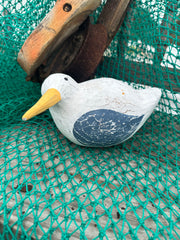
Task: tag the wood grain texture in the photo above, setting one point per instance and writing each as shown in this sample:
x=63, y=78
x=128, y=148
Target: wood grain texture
x=58, y=24
x=112, y=16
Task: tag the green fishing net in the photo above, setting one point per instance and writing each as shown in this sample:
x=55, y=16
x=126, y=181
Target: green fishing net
x=51, y=188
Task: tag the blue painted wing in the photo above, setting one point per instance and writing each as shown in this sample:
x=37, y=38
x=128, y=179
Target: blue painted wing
x=103, y=128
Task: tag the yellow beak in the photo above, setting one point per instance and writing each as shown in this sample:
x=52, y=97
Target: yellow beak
x=49, y=99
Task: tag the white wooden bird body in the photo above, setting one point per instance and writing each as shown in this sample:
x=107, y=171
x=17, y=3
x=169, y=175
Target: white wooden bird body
x=98, y=113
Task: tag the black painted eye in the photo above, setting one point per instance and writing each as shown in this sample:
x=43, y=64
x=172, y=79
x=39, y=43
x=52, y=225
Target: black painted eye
x=66, y=79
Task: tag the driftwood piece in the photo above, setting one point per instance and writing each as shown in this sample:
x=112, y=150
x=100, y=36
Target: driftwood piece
x=112, y=16
x=62, y=21
x=54, y=183
x=47, y=50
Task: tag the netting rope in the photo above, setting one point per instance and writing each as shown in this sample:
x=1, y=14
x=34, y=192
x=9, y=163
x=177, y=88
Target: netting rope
x=53, y=189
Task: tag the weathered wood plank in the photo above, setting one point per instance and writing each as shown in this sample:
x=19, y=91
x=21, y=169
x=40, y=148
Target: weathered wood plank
x=112, y=16
x=60, y=23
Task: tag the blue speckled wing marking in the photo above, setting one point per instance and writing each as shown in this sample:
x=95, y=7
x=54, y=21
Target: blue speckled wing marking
x=103, y=128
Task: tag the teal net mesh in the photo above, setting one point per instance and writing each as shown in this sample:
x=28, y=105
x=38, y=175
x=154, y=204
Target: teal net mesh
x=51, y=188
